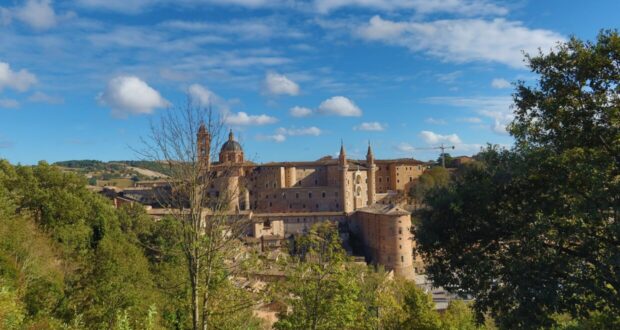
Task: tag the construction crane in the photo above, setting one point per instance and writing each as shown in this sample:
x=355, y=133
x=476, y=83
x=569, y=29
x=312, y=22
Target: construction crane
x=443, y=152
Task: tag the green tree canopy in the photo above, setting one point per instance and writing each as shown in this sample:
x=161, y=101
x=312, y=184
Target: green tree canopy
x=534, y=231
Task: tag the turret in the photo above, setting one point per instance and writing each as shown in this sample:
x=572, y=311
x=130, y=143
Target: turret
x=370, y=164
x=344, y=186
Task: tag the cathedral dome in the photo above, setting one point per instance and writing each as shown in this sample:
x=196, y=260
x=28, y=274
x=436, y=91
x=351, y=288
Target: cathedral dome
x=231, y=144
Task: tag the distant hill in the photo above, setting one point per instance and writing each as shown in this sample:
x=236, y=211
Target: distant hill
x=121, y=173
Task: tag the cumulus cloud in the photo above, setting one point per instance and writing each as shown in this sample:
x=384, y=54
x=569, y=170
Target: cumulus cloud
x=462, y=40
x=434, y=138
x=204, y=97
x=243, y=119
x=278, y=84
x=500, y=83
x=297, y=111
x=127, y=95
x=374, y=126
x=339, y=106
x=463, y=7
x=18, y=80
x=9, y=104
x=39, y=14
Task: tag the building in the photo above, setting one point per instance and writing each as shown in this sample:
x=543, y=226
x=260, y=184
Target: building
x=286, y=198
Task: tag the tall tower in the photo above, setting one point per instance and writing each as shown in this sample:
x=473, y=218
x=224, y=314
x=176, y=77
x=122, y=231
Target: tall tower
x=344, y=187
x=204, y=144
x=370, y=164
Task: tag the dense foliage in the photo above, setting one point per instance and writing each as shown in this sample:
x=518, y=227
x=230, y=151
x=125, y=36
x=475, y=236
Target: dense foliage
x=326, y=290
x=68, y=259
x=534, y=233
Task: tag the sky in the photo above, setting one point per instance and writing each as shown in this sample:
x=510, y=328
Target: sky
x=83, y=79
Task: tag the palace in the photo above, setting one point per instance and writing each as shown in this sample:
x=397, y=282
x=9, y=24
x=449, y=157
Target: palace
x=367, y=197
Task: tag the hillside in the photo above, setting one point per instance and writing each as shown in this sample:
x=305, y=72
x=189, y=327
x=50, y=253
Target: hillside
x=123, y=173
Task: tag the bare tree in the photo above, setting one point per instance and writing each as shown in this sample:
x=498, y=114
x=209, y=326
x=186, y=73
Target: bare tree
x=201, y=196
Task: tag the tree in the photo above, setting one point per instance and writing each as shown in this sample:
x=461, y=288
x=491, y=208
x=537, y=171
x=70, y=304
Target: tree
x=433, y=178
x=210, y=230
x=534, y=231
x=323, y=289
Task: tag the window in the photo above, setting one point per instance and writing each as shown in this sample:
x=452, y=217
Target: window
x=297, y=195
x=303, y=206
x=317, y=206
x=309, y=195
x=400, y=230
x=270, y=204
x=402, y=259
x=323, y=194
x=410, y=179
x=283, y=196
x=316, y=182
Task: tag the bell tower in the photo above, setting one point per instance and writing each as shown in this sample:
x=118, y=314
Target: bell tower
x=204, y=144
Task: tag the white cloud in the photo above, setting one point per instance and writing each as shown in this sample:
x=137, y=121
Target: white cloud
x=243, y=119
x=449, y=78
x=339, y=106
x=435, y=121
x=495, y=107
x=39, y=14
x=499, y=127
x=313, y=130
x=463, y=40
x=374, y=126
x=123, y=6
x=278, y=137
x=204, y=97
x=405, y=147
x=471, y=120
x=500, y=83
x=463, y=7
x=127, y=95
x=9, y=104
x=300, y=111
x=40, y=97
x=278, y=84
x=18, y=80
x=434, y=138
x=246, y=29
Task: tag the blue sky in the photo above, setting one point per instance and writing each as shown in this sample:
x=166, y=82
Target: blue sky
x=82, y=79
